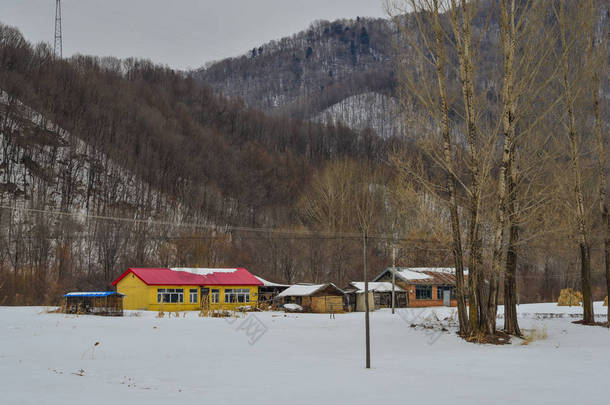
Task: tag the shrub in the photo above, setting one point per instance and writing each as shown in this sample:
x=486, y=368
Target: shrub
x=569, y=297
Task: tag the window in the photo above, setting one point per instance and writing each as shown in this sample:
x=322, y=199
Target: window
x=193, y=295
x=237, y=295
x=215, y=296
x=440, y=292
x=423, y=292
x=172, y=295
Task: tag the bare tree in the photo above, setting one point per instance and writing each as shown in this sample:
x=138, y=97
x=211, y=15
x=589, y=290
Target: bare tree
x=420, y=87
x=526, y=49
x=596, y=58
x=570, y=33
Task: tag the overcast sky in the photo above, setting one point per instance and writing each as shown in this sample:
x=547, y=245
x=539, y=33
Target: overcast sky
x=180, y=33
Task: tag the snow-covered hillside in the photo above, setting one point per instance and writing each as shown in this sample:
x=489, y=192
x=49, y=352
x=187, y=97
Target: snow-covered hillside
x=369, y=110
x=47, y=165
x=295, y=358
x=54, y=190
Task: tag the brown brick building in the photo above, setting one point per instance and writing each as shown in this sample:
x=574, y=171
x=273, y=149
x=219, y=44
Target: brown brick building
x=425, y=286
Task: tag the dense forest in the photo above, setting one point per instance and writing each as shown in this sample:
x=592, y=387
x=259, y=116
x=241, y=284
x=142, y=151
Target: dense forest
x=128, y=139
x=302, y=75
x=108, y=163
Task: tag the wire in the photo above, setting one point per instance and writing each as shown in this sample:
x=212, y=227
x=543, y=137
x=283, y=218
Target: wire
x=305, y=234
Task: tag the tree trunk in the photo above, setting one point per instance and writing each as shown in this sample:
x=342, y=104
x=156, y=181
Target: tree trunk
x=463, y=41
x=601, y=160
x=511, y=323
x=508, y=123
x=607, y=251
x=448, y=157
x=583, y=242
x=585, y=270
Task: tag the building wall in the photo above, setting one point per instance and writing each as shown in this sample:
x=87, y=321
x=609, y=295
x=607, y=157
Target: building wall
x=136, y=292
x=361, y=304
x=327, y=304
x=321, y=304
x=139, y=296
x=415, y=303
x=232, y=305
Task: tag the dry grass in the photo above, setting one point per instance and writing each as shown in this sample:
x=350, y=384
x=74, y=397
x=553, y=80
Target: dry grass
x=606, y=301
x=569, y=297
x=533, y=335
x=161, y=314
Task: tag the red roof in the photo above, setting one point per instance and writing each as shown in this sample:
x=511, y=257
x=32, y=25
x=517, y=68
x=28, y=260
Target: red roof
x=165, y=276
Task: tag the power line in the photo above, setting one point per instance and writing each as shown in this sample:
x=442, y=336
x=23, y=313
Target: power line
x=271, y=232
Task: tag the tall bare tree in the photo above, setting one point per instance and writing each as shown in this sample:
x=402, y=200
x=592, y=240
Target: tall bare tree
x=461, y=16
x=570, y=30
x=597, y=48
x=526, y=49
x=423, y=51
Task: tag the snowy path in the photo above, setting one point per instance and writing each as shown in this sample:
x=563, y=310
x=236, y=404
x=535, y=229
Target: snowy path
x=301, y=358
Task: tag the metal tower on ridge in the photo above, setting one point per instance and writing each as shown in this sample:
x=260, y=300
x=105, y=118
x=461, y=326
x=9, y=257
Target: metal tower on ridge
x=57, y=49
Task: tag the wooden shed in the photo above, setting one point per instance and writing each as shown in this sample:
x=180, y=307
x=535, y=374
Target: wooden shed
x=108, y=303
x=380, y=295
x=318, y=298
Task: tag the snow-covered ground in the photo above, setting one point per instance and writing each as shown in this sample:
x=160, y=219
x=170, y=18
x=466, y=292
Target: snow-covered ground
x=295, y=358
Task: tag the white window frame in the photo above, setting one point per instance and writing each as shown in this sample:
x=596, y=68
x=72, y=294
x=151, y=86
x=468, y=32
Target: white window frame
x=165, y=295
x=193, y=292
x=237, y=295
x=214, y=296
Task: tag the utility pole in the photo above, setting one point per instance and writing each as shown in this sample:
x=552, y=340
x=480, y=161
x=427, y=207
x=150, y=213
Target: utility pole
x=58, y=46
x=393, y=278
x=366, y=304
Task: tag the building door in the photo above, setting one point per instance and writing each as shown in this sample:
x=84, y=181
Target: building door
x=204, y=302
x=447, y=298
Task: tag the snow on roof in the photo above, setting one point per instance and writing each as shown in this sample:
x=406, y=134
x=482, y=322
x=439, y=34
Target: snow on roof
x=269, y=283
x=412, y=274
x=302, y=290
x=375, y=286
x=423, y=275
x=92, y=294
x=202, y=271
x=446, y=270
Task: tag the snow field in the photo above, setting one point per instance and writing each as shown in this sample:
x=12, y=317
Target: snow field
x=273, y=357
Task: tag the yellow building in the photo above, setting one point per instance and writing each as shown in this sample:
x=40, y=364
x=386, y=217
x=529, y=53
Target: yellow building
x=187, y=289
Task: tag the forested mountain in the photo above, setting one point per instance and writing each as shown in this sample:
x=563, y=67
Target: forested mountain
x=108, y=163
x=128, y=139
x=302, y=75
x=342, y=71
